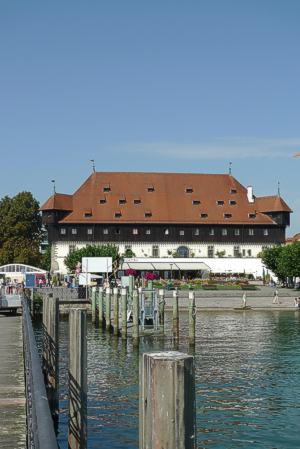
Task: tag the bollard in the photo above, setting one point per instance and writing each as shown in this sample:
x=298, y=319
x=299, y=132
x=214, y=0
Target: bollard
x=77, y=437
x=93, y=304
x=130, y=286
x=175, y=315
x=124, y=312
x=167, y=401
x=107, y=308
x=161, y=308
x=136, y=313
x=116, y=310
x=100, y=306
x=192, y=317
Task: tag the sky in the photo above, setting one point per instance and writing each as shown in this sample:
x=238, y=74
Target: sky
x=160, y=85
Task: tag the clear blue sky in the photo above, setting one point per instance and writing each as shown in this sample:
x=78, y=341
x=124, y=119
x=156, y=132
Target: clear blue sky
x=160, y=85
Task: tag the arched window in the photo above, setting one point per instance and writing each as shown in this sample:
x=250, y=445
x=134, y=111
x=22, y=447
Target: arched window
x=183, y=251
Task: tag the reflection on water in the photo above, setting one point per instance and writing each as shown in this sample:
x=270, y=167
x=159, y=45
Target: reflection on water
x=247, y=382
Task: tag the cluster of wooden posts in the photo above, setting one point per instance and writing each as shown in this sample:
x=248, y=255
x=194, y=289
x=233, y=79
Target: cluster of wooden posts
x=167, y=382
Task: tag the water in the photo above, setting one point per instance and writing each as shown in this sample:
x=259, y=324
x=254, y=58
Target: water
x=247, y=382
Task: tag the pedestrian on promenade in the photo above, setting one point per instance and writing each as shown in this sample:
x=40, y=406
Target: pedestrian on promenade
x=275, y=299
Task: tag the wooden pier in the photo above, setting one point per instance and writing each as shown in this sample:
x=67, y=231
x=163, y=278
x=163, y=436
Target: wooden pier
x=12, y=388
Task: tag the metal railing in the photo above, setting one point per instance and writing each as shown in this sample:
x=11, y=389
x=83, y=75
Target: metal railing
x=40, y=429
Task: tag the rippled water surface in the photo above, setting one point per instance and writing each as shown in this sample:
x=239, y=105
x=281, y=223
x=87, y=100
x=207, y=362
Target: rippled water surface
x=247, y=382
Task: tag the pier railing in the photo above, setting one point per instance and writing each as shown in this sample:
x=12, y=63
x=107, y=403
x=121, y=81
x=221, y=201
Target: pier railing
x=40, y=433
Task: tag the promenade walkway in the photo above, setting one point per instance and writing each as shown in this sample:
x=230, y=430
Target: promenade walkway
x=12, y=388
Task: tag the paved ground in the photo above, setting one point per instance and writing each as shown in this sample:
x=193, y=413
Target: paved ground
x=12, y=393
x=224, y=299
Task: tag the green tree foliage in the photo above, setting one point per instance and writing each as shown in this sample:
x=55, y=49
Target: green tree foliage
x=76, y=255
x=20, y=230
x=284, y=261
x=46, y=259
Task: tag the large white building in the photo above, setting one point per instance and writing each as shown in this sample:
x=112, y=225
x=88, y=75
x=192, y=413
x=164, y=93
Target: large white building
x=165, y=215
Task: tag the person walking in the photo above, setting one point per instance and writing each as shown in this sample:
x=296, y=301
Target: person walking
x=276, y=299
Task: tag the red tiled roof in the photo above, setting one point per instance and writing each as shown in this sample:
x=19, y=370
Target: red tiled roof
x=59, y=201
x=171, y=198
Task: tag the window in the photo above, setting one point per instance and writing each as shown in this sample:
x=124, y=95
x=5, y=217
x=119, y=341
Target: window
x=224, y=231
x=211, y=231
x=183, y=251
x=189, y=190
x=106, y=188
x=105, y=231
x=89, y=231
x=197, y=231
x=122, y=201
x=166, y=231
x=117, y=231
x=249, y=252
x=148, y=231
x=266, y=232
x=232, y=191
x=181, y=232
x=196, y=202
x=236, y=232
x=210, y=251
x=102, y=200
x=232, y=202
x=220, y=202
x=251, y=231
x=118, y=214
x=135, y=231
x=150, y=188
x=236, y=251
x=63, y=231
x=244, y=252
x=88, y=214
x=227, y=215
x=148, y=214
x=155, y=251
x=72, y=247
x=203, y=215
x=137, y=201
x=252, y=215
x=74, y=231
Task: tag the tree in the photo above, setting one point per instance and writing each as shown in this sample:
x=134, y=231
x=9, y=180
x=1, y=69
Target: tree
x=20, y=229
x=46, y=259
x=76, y=255
x=271, y=257
x=284, y=261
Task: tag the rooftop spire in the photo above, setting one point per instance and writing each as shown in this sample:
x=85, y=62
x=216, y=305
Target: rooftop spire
x=93, y=164
x=278, y=188
x=53, y=182
x=229, y=169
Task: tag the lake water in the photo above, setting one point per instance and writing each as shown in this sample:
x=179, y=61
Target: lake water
x=247, y=382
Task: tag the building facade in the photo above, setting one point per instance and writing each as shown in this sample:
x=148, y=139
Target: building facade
x=165, y=215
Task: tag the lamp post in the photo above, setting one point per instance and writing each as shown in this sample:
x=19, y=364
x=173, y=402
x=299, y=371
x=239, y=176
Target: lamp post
x=171, y=265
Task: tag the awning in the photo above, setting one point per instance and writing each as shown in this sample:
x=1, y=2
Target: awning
x=144, y=264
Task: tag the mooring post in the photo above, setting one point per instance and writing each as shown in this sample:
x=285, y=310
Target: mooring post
x=100, y=306
x=124, y=313
x=161, y=308
x=136, y=316
x=93, y=304
x=175, y=315
x=116, y=310
x=167, y=401
x=77, y=437
x=107, y=308
x=192, y=317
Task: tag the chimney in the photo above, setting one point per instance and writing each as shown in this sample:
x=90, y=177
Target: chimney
x=250, y=195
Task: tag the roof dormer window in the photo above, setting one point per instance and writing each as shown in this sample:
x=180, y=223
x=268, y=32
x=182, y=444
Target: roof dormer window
x=232, y=202
x=227, y=216
x=102, y=200
x=252, y=215
x=220, y=202
x=88, y=213
x=196, y=202
x=106, y=188
x=122, y=201
x=150, y=188
x=233, y=191
x=203, y=215
x=137, y=201
x=118, y=214
x=148, y=214
x=189, y=189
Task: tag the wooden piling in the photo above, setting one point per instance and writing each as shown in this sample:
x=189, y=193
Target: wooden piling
x=161, y=308
x=107, y=308
x=77, y=437
x=167, y=401
x=175, y=315
x=124, y=313
x=136, y=316
x=192, y=317
x=100, y=306
x=93, y=304
x=116, y=310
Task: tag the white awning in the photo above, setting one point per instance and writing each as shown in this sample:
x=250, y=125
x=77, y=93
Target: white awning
x=164, y=264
